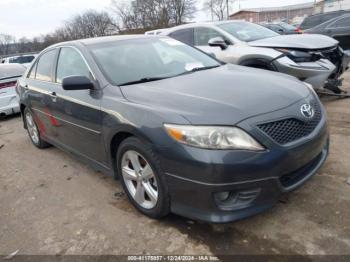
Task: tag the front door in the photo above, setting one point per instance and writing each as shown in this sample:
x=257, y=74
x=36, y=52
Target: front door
x=79, y=111
x=202, y=35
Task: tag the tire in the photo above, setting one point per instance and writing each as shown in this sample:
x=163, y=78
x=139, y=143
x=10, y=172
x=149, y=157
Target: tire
x=33, y=130
x=149, y=180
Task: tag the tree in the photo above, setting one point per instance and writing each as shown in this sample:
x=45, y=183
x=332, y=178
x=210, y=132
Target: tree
x=87, y=25
x=182, y=10
x=153, y=13
x=5, y=43
x=218, y=8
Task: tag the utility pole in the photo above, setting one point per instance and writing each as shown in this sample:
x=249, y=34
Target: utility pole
x=315, y=6
x=228, y=10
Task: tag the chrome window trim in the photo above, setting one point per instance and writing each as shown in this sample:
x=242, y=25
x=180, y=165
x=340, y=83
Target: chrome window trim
x=82, y=56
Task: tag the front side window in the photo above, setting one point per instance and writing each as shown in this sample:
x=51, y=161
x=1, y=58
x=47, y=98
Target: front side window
x=247, y=32
x=45, y=65
x=70, y=63
x=131, y=60
x=202, y=35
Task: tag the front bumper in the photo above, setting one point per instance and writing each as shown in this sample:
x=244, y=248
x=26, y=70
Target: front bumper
x=314, y=73
x=199, y=180
x=197, y=200
x=319, y=73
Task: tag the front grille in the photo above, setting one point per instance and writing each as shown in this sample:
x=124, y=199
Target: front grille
x=292, y=129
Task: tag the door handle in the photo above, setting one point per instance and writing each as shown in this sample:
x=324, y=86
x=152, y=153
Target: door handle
x=53, y=96
x=25, y=87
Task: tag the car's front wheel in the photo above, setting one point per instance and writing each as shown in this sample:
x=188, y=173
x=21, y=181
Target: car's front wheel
x=33, y=131
x=142, y=178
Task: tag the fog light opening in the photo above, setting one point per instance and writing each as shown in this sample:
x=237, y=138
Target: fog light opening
x=223, y=196
x=231, y=200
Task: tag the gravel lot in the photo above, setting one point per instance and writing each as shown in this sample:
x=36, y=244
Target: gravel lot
x=52, y=204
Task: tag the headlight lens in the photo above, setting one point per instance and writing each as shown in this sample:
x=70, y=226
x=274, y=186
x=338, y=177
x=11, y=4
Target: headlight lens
x=299, y=56
x=213, y=137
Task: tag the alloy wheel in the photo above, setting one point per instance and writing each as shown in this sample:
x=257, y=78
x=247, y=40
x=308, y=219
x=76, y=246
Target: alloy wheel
x=139, y=179
x=32, y=129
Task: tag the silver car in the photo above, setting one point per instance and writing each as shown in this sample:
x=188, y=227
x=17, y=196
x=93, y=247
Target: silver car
x=314, y=59
x=9, y=73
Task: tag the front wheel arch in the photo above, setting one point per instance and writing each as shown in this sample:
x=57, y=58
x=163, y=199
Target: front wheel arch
x=259, y=63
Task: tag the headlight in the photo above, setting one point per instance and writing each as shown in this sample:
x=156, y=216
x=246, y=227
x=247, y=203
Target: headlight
x=213, y=137
x=311, y=88
x=299, y=56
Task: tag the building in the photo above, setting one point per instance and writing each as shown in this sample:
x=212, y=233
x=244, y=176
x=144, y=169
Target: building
x=290, y=13
x=332, y=5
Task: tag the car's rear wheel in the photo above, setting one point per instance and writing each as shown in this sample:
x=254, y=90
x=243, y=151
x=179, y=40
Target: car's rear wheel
x=33, y=130
x=142, y=178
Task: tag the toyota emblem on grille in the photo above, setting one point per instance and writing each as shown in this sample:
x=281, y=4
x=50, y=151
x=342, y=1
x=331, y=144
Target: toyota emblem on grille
x=307, y=111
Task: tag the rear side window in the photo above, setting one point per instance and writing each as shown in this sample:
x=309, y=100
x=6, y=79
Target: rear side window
x=310, y=22
x=70, y=63
x=45, y=66
x=343, y=22
x=32, y=71
x=313, y=21
x=183, y=35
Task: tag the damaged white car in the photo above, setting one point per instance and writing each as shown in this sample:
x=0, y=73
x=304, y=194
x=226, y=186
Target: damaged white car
x=315, y=59
x=9, y=73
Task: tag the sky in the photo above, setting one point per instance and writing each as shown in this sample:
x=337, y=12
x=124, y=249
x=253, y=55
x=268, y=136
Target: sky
x=29, y=18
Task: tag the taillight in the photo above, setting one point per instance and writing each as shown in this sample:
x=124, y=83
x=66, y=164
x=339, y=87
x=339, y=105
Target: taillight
x=299, y=31
x=8, y=84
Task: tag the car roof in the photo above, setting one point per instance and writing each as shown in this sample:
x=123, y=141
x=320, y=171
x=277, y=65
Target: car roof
x=198, y=24
x=104, y=39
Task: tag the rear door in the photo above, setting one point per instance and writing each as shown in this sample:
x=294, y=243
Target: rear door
x=39, y=87
x=78, y=111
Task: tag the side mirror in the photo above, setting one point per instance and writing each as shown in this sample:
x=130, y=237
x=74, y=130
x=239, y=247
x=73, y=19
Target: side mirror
x=218, y=41
x=77, y=83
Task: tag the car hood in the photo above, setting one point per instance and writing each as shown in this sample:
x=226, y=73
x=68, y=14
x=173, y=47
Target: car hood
x=221, y=96
x=304, y=41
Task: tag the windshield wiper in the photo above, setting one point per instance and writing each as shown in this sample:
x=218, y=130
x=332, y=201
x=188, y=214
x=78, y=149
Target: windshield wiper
x=143, y=80
x=196, y=69
x=203, y=68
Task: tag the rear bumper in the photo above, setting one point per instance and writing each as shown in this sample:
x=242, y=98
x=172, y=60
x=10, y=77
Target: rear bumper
x=9, y=105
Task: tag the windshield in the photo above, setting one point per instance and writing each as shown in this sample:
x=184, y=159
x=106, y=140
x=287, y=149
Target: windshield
x=128, y=61
x=247, y=32
x=21, y=59
x=287, y=26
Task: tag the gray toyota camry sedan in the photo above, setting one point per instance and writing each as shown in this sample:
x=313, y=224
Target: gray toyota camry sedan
x=183, y=132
